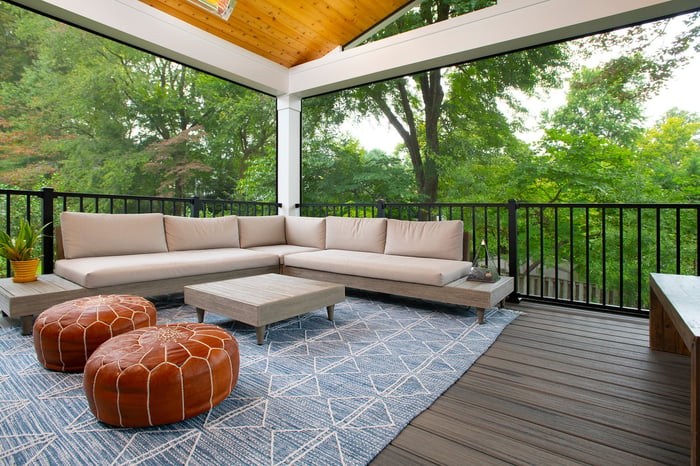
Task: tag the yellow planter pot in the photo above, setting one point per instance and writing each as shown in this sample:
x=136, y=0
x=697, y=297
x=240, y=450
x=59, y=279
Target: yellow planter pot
x=24, y=271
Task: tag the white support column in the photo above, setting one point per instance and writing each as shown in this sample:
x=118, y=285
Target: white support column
x=289, y=153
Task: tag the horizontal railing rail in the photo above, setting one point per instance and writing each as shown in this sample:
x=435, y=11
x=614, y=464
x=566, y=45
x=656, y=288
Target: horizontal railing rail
x=44, y=207
x=588, y=255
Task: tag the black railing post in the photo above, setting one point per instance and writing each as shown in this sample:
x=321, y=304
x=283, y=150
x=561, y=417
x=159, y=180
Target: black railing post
x=47, y=219
x=196, y=206
x=381, y=208
x=513, y=248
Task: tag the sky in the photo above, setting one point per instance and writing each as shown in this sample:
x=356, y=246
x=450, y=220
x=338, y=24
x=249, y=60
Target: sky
x=682, y=92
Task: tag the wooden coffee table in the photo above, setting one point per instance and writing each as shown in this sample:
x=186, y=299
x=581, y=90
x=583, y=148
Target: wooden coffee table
x=263, y=299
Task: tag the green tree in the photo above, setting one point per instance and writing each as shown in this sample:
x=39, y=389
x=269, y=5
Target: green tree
x=589, y=151
x=15, y=53
x=445, y=116
x=84, y=113
x=340, y=171
x=595, y=149
x=671, y=150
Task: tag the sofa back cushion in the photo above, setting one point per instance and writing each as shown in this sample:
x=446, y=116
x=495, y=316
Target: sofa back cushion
x=356, y=234
x=306, y=231
x=439, y=240
x=187, y=233
x=261, y=231
x=93, y=235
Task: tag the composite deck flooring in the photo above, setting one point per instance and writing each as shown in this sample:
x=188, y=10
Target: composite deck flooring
x=559, y=386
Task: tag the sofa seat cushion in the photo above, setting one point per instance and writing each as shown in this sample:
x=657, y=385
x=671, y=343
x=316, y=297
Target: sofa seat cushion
x=421, y=270
x=94, y=272
x=282, y=250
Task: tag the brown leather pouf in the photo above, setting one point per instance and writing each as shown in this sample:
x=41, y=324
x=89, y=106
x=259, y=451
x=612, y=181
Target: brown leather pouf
x=162, y=374
x=65, y=335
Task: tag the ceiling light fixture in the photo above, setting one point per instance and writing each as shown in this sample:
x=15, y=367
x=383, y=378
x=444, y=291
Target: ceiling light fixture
x=222, y=8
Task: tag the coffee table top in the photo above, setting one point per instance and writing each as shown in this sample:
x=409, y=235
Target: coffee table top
x=263, y=299
x=260, y=290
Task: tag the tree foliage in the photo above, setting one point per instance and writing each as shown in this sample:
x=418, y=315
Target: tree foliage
x=597, y=146
x=461, y=126
x=83, y=113
x=453, y=116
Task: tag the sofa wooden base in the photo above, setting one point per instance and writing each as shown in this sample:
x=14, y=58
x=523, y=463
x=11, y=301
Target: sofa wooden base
x=480, y=295
x=25, y=300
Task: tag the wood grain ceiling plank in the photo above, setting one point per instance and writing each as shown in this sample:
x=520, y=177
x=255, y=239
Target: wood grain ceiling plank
x=283, y=26
x=311, y=25
x=286, y=32
x=234, y=32
x=365, y=14
x=329, y=22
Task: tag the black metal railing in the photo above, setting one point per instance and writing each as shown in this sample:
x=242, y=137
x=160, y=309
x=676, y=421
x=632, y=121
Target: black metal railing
x=602, y=254
x=44, y=207
x=585, y=255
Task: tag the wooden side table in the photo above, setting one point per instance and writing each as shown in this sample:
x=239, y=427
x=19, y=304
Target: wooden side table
x=24, y=300
x=481, y=295
x=674, y=326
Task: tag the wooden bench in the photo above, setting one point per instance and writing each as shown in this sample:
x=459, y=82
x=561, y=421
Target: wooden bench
x=674, y=326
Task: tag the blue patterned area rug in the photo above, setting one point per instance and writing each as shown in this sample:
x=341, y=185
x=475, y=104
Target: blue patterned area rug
x=317, y=392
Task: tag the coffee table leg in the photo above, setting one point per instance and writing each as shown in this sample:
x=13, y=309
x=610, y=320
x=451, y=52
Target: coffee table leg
x=480, y=315
x=330, y=309
x=27, y=324
x=200, y=314
x=260, y=334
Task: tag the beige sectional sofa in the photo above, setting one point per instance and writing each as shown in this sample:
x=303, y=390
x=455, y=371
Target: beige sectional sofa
x=155, y=254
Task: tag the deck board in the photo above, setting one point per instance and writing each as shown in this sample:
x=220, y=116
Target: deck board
x=559, y=386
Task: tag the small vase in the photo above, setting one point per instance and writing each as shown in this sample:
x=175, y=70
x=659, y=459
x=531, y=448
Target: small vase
x=24, y=271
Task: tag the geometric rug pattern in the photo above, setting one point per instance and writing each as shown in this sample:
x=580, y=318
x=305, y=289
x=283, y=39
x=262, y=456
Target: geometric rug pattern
x=316, y=392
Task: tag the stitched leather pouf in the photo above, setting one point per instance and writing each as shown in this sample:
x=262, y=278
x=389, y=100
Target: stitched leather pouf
x=162, y=374
x=65, y=335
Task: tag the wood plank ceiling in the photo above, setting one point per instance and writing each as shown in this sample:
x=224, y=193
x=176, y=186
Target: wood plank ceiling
x=288, y=32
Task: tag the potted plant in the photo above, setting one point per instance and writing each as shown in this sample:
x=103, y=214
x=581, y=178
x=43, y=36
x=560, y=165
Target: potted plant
x=20, y=251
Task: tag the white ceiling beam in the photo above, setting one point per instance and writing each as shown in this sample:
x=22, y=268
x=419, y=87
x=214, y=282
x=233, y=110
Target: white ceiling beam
x=135, y=23
x=509, y=25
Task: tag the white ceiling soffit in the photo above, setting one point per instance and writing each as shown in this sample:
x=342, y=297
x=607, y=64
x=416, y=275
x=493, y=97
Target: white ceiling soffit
x=509, y=25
